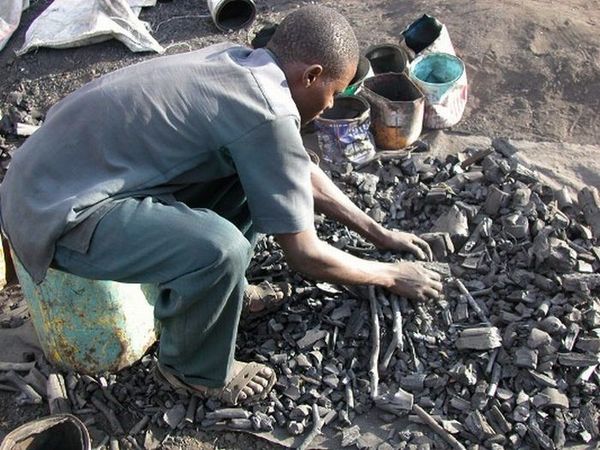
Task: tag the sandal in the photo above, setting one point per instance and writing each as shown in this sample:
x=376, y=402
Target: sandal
x=265, y=297
x=230, y=393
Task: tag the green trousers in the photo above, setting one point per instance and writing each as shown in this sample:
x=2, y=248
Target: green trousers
x=196, y=255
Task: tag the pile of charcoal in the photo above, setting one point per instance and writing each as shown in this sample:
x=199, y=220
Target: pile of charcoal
x=19, y=118
x=507, y=358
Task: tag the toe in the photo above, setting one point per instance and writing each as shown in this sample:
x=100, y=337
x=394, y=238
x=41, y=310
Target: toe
x=256, y=387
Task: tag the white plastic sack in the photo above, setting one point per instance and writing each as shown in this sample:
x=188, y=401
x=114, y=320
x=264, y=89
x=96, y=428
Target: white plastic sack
x=10, y=16
x=73, y=23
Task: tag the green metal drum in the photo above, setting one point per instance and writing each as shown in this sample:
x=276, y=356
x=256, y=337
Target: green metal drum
x=90, y=326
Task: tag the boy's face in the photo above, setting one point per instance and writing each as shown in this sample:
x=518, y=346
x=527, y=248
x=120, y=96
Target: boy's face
x=313, y=91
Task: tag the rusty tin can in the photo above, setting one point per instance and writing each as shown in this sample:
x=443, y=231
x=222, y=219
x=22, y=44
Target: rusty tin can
x=397, y=109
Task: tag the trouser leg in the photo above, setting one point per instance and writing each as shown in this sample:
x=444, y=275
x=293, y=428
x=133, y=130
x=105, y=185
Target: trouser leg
x=197, y=258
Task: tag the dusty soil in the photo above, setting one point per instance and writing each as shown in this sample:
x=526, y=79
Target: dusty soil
x=533, y=69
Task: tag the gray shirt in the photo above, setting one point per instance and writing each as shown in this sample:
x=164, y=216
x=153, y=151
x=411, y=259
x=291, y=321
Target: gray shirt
x=149, y=128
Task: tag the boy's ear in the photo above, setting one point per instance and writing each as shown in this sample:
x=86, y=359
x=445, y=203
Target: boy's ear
x=311, y=74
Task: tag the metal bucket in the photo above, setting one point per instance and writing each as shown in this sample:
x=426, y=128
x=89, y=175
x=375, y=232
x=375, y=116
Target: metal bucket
x=90, y=326
x=443, y=80
x=385, y=58
x=232, y=14
x=397, y=108
x=343, y=131
x=363, y=71
x=57, y=432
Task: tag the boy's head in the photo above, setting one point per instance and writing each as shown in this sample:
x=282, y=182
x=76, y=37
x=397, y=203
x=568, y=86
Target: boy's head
x=319, y=54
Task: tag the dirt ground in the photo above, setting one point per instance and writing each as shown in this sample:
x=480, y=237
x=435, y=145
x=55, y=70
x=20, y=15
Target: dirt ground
x=533, y=69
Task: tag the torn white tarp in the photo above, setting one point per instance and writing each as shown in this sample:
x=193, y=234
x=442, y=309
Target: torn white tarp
x=10, y=16
x=73, y=23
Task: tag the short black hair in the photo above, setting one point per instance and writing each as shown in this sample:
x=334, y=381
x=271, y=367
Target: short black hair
x=316, y=35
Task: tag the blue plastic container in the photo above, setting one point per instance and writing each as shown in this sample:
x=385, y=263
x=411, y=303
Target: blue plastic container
x=90, y=326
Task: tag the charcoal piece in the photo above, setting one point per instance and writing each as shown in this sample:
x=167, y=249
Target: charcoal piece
x=240, y=424
x=561, y=257
x=559, y=430
x=516, y=225
x=440, y=243
x=275, y=326
x=228, y=414
x=311, y=337
x=521, y=197
x=496, y=200
x=552, y=325
x=350, y=435
x=413, y=382
x=571, y=336
x=300, y=412
x=295, y=428
x=544, y=283
x=589, y=202
x=504, y=147
x=498, y=421
x=477, y=425
x=460, y=403
x=332, y=381
x=464, y=374
x=539, y=436
x=521, y=413
x=523, y=174
x=504, y=394
x=396, y=403
x=574, y=359
x=543, y=379
x=588, y=344
x=341, y=312
x=481, y=338
x=492, y=170
x=525, y=357
x=293, y=393
x=302, y=361
x=538, y=338
x=437, y=195
x=479, y=398
x=589, y=418
x=173, y=416
x=581, y=283
x=556, y=399
x=476, y=157
x=355, y=324
x=455, y=223
x=461, y=312
x=482, y=230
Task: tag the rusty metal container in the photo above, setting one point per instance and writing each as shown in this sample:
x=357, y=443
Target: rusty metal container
x=56, y=432
x=397, y=108
x=231, y=15
x=386, y=58
x=90, y=326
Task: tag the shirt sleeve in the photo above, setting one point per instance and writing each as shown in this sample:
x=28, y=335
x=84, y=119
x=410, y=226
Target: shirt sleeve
x=274, y=171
